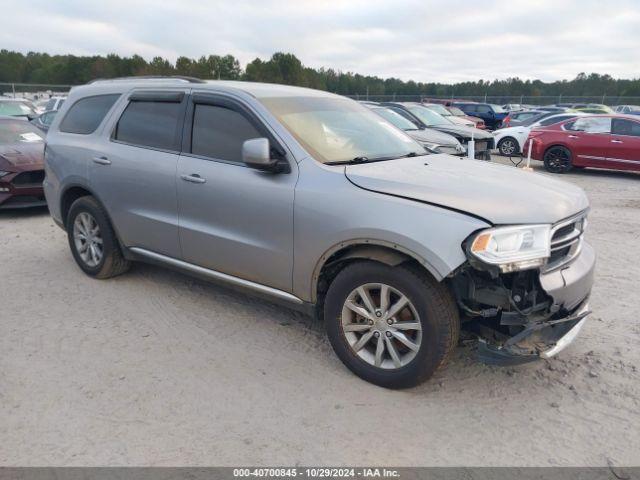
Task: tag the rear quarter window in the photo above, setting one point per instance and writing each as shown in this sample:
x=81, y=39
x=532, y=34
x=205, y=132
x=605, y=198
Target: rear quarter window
x=87, y=114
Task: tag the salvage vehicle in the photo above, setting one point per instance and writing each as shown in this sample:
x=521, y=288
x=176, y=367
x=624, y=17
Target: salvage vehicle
x=514, y=119
x=427, y=118
x=43, y=121
x=432, y=140
x=14, y=107
x=491, y=114
x=313, y=200
x=596, y=141
x=510, y=141
x=444, y=111
x=629, y=109
x=21, y=164
x=478, y=122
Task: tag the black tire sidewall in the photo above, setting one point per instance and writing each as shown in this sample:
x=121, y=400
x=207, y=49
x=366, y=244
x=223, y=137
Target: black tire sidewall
x=429, y=356
x=89, y=205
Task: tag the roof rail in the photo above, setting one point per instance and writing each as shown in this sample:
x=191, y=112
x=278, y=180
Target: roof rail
x=150, y=77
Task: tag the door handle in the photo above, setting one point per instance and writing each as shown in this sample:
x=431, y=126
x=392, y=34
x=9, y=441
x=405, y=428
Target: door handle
x=573, y=136
x=616, y=141
x=193, y=178
x=101, y=160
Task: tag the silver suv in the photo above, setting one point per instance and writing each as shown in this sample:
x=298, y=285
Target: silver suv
x=313, y=200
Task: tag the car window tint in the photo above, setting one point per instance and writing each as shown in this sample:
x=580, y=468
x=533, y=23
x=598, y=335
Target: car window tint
x=150, y=124
x=86, y=114
x=625, y=127
x=50, y=104
x=591, y=125
x=468, y=108
x=219, y=132
x=483, y=109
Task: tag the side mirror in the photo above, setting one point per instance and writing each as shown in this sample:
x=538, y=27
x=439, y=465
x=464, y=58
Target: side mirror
x=256, y=153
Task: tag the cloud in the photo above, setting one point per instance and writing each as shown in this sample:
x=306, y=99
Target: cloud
x=437, y=40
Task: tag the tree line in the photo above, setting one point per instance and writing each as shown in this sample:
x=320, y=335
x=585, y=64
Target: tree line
x=287, y=69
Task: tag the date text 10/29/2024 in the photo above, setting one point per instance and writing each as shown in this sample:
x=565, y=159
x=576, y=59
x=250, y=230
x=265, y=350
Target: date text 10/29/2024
x=319, y=472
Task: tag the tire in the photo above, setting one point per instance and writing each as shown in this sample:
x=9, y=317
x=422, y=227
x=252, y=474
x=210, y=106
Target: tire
x=557, y=159
x=430, y=301
x=508, y=146
x=84, y=216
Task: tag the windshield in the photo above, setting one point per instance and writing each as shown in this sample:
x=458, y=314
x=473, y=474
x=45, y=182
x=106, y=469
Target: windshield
x=339, y=129
x=456, y=111
x=395, y=118
x=498, y=109
x=428, y=117
x=17, y=131
x=439, y=109
x=15, y=109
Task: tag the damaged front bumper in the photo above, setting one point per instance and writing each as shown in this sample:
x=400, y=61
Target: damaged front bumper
x=525, y=316
x=540, y=340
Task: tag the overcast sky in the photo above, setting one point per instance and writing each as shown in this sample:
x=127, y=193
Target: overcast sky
x=437, y=40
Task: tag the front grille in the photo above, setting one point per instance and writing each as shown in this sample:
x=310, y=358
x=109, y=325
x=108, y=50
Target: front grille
x=566, y=240
x=23, y=179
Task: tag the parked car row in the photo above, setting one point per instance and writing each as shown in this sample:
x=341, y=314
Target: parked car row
x=437, y=132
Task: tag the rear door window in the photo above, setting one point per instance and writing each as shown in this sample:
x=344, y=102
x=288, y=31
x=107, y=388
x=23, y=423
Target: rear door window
x=86, y=114
x=154, y=124
x=625, y=127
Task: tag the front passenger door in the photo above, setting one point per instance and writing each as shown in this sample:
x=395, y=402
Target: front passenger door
x=233, y=219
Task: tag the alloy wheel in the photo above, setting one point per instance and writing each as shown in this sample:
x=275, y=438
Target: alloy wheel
x=88, y=239
x=507, y=147
x=558, y=160
x=381, y=326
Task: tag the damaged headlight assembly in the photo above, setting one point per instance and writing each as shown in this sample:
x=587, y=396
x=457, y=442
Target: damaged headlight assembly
x=512, y=248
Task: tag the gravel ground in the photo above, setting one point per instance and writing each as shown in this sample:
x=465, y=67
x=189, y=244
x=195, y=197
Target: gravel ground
x=156, y=368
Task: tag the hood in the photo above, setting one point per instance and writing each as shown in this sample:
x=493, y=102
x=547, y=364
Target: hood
x=460, y=131
x=497, y=193
x=432, y=136
x=22, y=154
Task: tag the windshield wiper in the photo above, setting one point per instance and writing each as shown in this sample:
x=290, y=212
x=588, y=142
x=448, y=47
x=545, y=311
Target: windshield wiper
x=357, y=160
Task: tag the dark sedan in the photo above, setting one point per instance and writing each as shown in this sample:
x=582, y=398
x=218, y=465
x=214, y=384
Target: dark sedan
x=21, y=164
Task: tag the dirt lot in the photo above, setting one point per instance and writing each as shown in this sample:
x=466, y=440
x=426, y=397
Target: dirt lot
x=155, y=368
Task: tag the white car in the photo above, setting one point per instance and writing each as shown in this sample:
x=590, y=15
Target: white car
x=510, y=141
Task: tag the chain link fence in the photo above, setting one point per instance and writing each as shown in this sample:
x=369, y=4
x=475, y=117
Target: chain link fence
x=35, y=91
x=505, y=99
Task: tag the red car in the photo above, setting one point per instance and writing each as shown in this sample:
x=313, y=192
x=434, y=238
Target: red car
x=599, y=141
x=21, y=164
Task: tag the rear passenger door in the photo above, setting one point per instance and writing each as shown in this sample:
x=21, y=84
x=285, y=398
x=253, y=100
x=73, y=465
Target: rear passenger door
x=135, y=174
x=233, y=219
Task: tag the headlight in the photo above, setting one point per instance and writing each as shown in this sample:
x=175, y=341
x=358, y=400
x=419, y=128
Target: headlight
x=513, y=248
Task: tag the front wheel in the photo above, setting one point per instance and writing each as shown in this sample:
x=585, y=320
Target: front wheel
x=391, y=326
x=557, y=159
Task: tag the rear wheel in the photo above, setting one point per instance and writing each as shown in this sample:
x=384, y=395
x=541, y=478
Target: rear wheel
x=92, y=240
x=391, y=326
x=508, y=146
x=557, y=159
